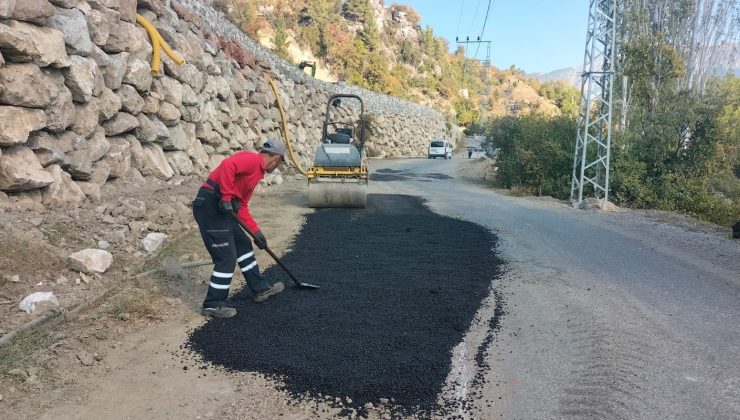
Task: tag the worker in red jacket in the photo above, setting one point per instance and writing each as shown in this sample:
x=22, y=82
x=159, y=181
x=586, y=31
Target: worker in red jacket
x=228, y=189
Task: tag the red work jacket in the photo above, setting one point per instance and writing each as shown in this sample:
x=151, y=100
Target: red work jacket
x=237, y=176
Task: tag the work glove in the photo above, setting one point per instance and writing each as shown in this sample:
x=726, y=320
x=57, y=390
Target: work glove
x=229, y=206
x=260, y=240
x=225, y=206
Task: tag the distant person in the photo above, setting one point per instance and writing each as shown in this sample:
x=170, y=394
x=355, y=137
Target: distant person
x=227, y=191
x=470, y=153
x=736, y=230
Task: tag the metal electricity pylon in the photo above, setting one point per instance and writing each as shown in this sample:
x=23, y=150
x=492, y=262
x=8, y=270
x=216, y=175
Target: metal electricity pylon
x=486, y=68
x=487, y=61
x=593, y=139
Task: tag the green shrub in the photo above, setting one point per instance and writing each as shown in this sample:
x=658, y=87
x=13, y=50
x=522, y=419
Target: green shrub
x=691, y=195
x=534, y=153
x=627, y=183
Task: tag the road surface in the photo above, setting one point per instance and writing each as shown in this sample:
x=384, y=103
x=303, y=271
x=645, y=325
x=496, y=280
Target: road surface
x=596, y=315
x=606, y=315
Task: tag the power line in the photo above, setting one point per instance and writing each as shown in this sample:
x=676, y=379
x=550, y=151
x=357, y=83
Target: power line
x=484, y=27
x=459, y=19
x=478, y=41
x=475, y=16
x=485, y=62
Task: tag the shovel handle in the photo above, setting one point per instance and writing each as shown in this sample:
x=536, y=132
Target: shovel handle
x=269, y=251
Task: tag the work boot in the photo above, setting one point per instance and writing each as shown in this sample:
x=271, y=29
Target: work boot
x=275, y=289
x=219, y=312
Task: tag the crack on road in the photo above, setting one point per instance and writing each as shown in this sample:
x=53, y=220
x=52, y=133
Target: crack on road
x=482, y=356
x=466, y=393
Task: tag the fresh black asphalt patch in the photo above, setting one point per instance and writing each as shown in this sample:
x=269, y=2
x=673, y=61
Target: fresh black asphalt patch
x=400, y=286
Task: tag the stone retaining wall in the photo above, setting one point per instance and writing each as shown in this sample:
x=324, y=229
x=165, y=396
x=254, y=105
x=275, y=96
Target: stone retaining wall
x=79, y=105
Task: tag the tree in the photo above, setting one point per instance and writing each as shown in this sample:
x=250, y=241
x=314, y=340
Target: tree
x=280, y=40
x=713, y=35
x=702, y=35
x=323, y=10
x=409, y=53
x=429, y=43
x=369, y=33
x=466, y=112
x=565, y=97
x=356, y=10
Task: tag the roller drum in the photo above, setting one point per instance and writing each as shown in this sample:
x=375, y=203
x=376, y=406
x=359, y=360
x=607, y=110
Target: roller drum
x=337, y=194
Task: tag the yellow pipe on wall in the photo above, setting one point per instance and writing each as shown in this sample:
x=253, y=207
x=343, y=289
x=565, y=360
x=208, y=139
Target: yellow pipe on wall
x=158, y=43
x=166, y=47
x=285, y=127
x=156, y=51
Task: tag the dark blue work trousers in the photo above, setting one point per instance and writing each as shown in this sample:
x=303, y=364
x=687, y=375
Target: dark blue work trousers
x=228, y=245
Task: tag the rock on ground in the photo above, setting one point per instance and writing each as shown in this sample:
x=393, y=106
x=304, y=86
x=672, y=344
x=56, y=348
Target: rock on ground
x=38, y=300
x=90, y=260
x=153, y=241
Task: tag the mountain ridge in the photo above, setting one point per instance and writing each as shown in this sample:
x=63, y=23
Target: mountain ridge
x=385, y=49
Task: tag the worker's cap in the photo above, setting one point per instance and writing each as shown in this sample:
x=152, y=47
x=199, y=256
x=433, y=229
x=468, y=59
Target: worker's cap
x=274, y=146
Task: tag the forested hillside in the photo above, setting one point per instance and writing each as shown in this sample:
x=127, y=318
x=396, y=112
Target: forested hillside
x=385, y=49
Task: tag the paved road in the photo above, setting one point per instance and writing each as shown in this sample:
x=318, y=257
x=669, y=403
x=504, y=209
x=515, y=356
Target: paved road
x=474, y=142
x=607, y=315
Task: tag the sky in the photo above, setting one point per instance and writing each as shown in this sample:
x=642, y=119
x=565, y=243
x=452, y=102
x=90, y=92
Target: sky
x=537, y=36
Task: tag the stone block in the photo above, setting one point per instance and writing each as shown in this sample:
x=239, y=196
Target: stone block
x=20, y=170
x=36, y=11
x=121, y=123
x=80, y=78
x=73, y=24
x=17, y=122
x=25, y=85
x=62, y=190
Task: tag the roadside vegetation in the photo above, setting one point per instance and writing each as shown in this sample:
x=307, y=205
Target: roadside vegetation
x=676, y=137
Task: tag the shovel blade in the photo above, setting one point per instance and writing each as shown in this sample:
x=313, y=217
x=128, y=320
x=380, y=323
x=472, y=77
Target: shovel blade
x=306, y=286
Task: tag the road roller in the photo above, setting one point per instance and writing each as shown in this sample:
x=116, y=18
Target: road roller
x=339, y=175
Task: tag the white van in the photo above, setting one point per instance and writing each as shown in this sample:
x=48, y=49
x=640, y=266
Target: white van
x=440, y=148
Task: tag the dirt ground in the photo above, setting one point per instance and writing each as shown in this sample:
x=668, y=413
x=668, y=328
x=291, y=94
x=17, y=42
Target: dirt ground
x=120, y=356
x=477, y=170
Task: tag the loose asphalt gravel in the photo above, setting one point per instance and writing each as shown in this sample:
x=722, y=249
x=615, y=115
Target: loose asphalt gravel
x=400, y=286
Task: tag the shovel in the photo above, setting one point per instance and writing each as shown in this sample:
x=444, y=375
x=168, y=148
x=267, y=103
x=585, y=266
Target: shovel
x=272, y=254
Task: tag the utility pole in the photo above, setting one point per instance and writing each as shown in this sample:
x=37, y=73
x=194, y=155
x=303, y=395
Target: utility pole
x=486, y=64
x=593, y=138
